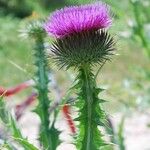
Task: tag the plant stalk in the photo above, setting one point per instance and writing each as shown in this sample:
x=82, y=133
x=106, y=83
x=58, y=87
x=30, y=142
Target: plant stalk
x=89, y=101
x=90, y=138
x=42, y=87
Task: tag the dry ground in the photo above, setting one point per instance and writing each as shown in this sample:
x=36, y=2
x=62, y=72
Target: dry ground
x=136, y=132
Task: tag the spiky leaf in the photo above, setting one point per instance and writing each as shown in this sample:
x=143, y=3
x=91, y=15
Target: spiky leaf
x=26, y=144
x=11, y=124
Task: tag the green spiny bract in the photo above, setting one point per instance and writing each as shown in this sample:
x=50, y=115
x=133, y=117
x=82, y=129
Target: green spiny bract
x=90, y=47
x=34, y=30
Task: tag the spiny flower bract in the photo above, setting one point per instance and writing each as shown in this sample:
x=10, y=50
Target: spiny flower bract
x=34, y=29
x=76, y=19
x=90, y=47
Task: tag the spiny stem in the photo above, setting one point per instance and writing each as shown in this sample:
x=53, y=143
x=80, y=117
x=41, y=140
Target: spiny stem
x=42, y=87
x=91, y=115
x=89, y=100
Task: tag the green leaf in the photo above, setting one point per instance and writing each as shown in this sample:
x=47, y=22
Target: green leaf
x=55, y=134
x=120, y=134
x=8, y=120
x=10, y=123
x=26, y=144
x=4, y=115
x=14, y=129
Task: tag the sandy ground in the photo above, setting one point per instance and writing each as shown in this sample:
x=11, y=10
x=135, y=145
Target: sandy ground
x=136, y=132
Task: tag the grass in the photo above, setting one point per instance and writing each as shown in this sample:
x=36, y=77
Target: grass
x=15, y=53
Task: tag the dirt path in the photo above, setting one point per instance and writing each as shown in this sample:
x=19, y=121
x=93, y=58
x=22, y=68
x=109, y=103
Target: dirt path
x=136, y=132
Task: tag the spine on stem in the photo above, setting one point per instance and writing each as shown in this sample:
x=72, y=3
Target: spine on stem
x=91, y=114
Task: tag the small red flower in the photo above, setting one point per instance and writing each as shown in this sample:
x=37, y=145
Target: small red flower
x=14, y=90
x=67, y=114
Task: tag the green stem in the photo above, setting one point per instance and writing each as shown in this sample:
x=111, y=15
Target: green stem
x=120, y=134
x=42, y=87
x=91, y=115
x=89, y=100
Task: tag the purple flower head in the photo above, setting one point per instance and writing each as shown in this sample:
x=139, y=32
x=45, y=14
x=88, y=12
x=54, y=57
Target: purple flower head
x=76, y=19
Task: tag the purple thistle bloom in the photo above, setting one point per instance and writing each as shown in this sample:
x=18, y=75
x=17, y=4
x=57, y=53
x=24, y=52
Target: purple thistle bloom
x=76, y=19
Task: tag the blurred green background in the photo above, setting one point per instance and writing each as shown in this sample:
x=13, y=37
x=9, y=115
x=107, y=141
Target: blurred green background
x=126, y=77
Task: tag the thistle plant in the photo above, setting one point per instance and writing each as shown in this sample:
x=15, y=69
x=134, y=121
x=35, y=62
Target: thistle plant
x=82, y=42
x=48, y=134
